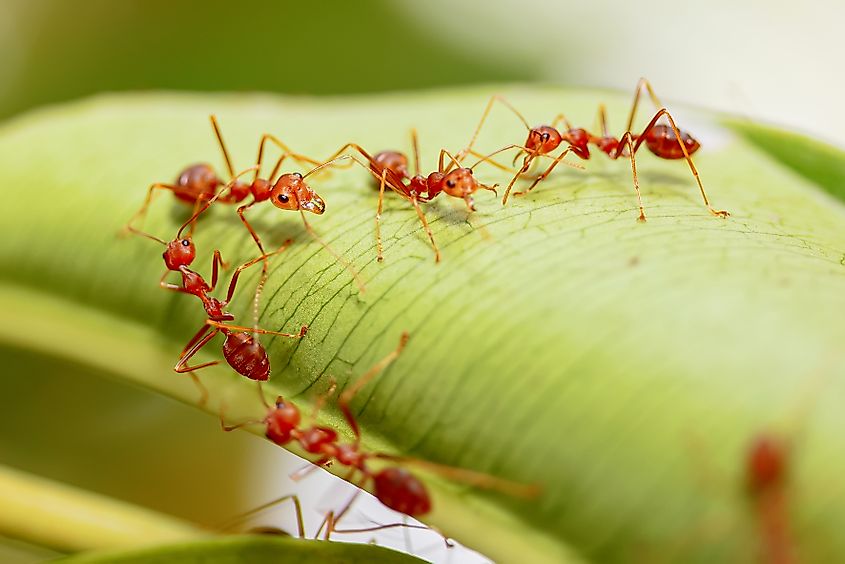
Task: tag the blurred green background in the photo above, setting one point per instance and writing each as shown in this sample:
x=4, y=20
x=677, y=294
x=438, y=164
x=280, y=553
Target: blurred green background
x=57, y=50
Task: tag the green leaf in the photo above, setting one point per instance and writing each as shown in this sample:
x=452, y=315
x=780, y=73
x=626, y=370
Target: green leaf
x=622, y=366
x=251, y=549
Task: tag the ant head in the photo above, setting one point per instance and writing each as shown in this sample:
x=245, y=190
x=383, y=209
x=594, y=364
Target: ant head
x=281, y=421
x=291, y=192
x=543, y=139
x=179, y=252
x=393, y=161
x=199, y=177
x=402, y=491
x=766, y=463
x=459, y=183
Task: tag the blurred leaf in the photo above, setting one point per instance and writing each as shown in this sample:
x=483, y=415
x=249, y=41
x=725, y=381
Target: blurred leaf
x=820, y=163
x=64, y=518
x=252, y=549
x=622, y=366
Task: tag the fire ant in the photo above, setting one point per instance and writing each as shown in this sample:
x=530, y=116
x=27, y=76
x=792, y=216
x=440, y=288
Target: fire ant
x=241, y=349
x=288, y=192
x=664, y=141
x=390, y=168
x=767, y=469
x=198, y=183
x=394, y=486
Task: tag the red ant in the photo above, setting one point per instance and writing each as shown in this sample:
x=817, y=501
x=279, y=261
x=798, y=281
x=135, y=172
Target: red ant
x=394, y=486
x=664, y=141
x=767, y=468
x=241, y=349
x=390, y=168
x=198, y=183
x=288, y=192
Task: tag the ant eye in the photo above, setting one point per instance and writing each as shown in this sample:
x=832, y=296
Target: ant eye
x=186, y=242
x=545, y=137
x=283, y=198
x=450, y=183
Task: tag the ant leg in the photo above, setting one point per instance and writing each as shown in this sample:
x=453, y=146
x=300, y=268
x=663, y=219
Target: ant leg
x=545, y=173
x=379, y=245
x=348, y=394
x=454, y=161
x=449, y=542
x=255, y=237
x=193, y=346
x=168, y=286
x=300, y=523
x=415, y=146
x=642, y=136
x=302, y=332
x=526, y=164
x=642, y=84
x=216, y=264
x=223, y=149
x=201, y=387
x=332, y=519
x=346, y=264
x=236, y=275
x=466, y=150
x=281, y=144
x=142, y=211
x=560, y=118
x=627, y=140
x=425, y=225
x=602, y=116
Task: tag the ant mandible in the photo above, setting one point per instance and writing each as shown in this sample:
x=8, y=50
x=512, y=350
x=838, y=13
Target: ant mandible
x=664, y=141
x=390, y=168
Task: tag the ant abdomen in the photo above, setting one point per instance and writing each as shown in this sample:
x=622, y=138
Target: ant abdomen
x=247, y=356
x=198, y=180
x=401, y=491
x=661, y=141
x=393, y=161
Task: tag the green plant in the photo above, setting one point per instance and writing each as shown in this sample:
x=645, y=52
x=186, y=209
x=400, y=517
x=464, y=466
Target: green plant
x=622, y=366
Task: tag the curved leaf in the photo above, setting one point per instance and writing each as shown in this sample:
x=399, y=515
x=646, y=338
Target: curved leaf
x=622, y=366
x=251, y=549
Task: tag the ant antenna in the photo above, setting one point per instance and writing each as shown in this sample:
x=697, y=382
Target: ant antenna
x=325, y=164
